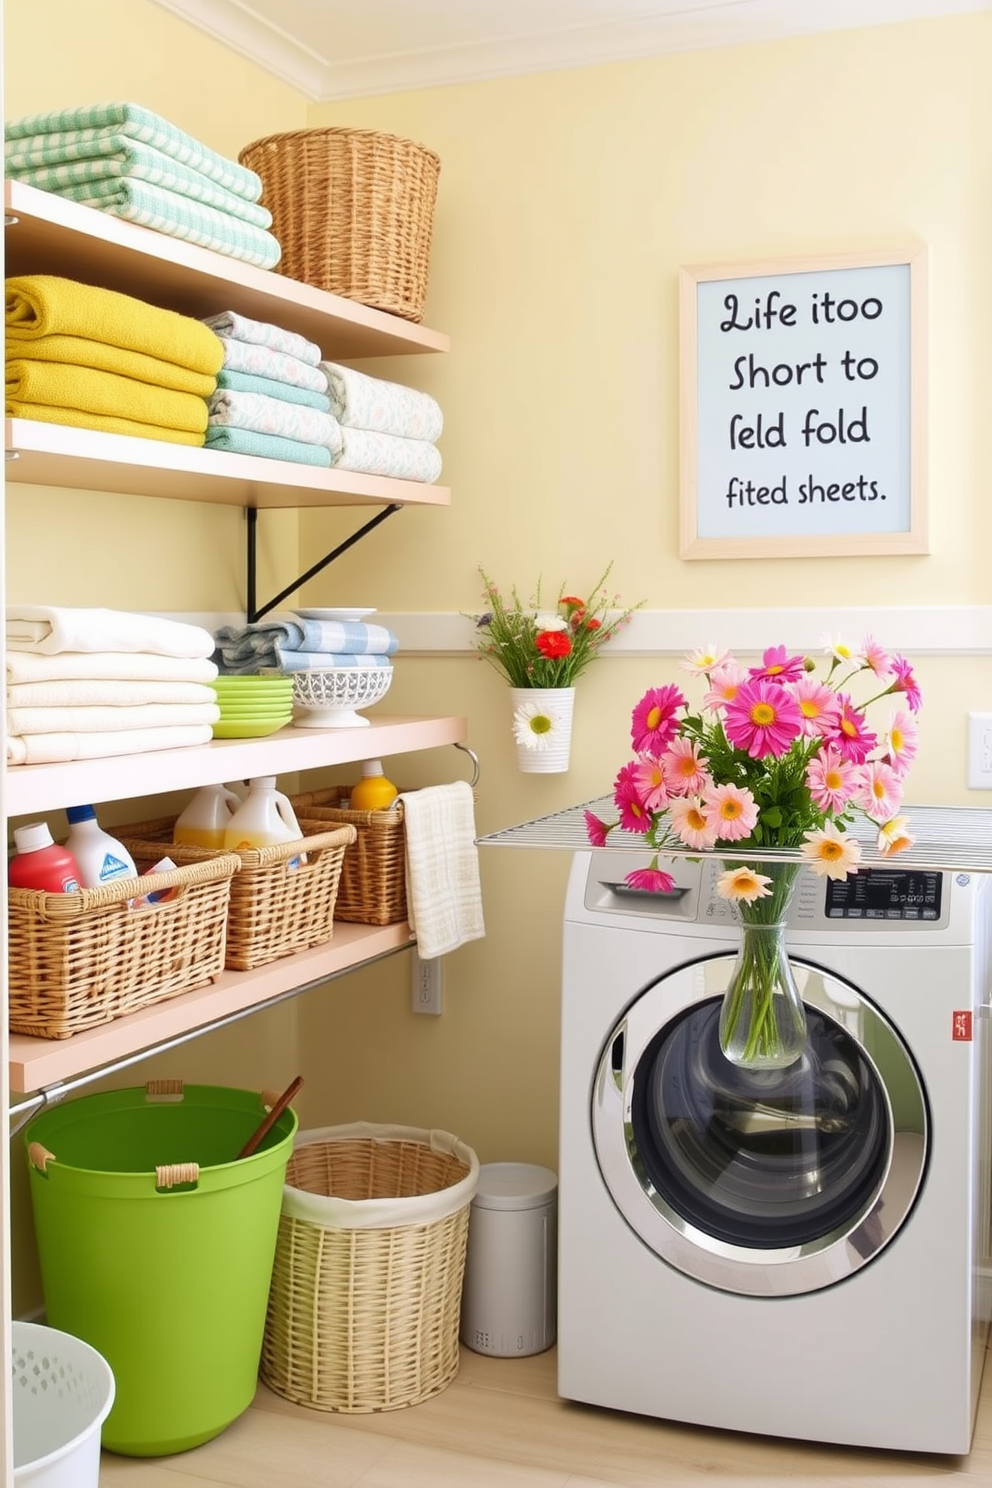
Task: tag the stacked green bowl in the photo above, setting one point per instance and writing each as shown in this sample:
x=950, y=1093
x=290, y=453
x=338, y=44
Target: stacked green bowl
x=251, y=706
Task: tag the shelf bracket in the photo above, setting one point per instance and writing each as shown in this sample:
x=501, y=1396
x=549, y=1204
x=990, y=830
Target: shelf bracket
x=255, y=611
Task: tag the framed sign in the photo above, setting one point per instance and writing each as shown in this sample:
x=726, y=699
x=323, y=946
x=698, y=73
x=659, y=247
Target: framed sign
x=802, y=422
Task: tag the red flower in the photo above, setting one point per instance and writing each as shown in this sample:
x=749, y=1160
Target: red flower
x=553, y=644
x=572, y=603
x=593, y=624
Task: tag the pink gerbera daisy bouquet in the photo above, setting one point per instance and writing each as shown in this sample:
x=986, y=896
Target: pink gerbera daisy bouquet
x=775, y=756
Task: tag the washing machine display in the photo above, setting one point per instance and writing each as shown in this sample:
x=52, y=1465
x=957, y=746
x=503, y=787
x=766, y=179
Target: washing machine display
x=803, y=1253
x=764, y=1182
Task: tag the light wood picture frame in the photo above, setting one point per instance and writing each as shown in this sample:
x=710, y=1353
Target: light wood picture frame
x=803, y=406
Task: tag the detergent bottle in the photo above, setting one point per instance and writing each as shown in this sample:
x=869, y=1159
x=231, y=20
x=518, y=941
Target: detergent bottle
x=373, y=792
x=264, y=818
x=39, y=863
x=101, y=858
x=205, y=819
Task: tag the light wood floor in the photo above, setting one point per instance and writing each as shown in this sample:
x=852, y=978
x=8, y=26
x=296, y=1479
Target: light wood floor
x=500, y=1424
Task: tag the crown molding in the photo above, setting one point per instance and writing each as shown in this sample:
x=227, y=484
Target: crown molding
x=672, y=27
x=248, y=33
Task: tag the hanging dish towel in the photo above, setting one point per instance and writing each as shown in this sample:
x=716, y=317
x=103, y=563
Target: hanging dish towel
x=444, y=896
x=48, y=629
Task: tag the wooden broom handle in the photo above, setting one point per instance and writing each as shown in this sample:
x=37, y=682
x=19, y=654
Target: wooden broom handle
x=271, y=1118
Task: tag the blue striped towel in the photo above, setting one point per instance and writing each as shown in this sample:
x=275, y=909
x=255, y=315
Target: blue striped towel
x=39, y=164
x=179, y=217
x=300, y=661
x=74, y=127
x=261, y=642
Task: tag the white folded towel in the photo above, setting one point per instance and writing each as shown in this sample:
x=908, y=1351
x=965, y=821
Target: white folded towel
x=25, y=666
x=104, y=720
x=96, y=692
x=51, y=749
x=388, y=454
x=364, y=402
x=48, y=629
x=444, y=896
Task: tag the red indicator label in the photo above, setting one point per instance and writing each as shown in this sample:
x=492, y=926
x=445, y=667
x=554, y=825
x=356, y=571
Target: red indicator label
x=961, y=1026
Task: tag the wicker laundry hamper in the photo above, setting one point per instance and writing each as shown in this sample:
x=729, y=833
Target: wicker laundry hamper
x=365, y=1300
x=353, y=210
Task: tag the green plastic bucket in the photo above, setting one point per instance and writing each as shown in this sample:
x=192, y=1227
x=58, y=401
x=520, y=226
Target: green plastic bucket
x=168, y=1283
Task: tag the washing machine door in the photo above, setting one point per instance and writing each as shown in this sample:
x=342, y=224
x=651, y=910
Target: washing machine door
x=767, y=1183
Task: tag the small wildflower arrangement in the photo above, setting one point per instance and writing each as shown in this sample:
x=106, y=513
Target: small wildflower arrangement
x=774, y=757
x=533, y=644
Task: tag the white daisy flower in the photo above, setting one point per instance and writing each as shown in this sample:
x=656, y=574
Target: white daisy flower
x=550, y=622
x=535, y=726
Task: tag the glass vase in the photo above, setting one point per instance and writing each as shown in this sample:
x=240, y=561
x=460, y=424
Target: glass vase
x=762, y=1020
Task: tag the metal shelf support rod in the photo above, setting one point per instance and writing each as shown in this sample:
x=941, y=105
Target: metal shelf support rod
x=52, y=1094
x=256, y=611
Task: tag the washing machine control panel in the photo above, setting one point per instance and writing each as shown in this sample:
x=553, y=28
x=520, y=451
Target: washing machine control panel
x=870, y=899
x=885, y=894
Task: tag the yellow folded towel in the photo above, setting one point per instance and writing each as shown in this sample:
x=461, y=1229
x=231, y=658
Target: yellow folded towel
x=77, y=351
x=102, y=422
x=58, y=385
x=46, y=305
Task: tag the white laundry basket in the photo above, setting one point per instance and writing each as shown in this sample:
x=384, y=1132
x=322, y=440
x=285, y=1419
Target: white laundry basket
x=62, y=1392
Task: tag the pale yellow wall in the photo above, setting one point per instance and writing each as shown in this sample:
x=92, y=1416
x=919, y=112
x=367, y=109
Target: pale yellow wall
x=567, y=203
x=152, y=555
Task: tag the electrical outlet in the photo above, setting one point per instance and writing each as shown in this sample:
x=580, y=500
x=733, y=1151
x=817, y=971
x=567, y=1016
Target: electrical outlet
x=426, y=985
x=980, y=751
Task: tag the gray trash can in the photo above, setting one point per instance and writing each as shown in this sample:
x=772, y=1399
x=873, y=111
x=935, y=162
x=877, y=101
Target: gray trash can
x=509, y=1295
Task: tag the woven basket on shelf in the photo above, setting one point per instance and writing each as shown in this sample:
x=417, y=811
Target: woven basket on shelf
x=353, y=210
x=365, y=1301
x=279, y=905
x=372, y=890
x=78, y=960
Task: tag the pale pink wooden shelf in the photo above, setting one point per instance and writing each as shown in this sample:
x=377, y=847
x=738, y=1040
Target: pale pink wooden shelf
x=36, y=1063
x=54, y=236
x=34, y=788
x=47, y=235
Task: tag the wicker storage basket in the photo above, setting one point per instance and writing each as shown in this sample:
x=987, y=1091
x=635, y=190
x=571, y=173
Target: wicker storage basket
x=278, y=905
x=365, y=1301
x=353, y=210
x=79, y=960
x=372, y=890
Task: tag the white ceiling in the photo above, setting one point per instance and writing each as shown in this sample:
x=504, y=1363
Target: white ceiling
x=331, y=49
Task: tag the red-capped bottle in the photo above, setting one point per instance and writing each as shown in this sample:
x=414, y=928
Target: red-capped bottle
x=40, y=863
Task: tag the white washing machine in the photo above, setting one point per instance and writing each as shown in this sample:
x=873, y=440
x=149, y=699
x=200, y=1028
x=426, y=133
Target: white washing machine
x=800, y=1253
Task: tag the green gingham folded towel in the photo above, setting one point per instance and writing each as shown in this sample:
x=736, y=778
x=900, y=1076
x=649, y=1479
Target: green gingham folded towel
x=77, y=126
x=179, y=217
x=38, y=164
